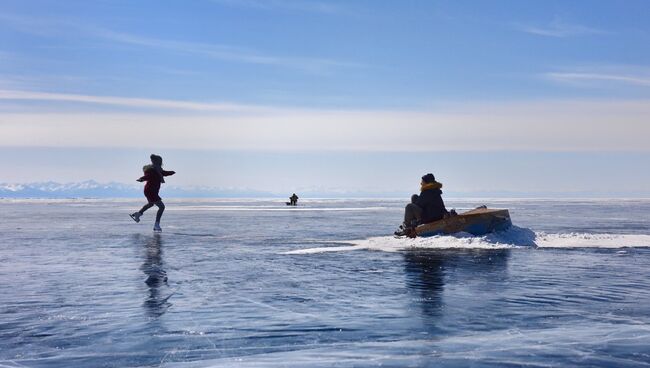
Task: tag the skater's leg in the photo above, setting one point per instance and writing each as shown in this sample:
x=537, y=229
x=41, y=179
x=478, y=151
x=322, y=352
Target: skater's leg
x=145, y=207
x=136, y=215
x=161, y=209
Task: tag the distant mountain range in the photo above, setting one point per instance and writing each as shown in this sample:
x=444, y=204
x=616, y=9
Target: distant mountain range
x=93, y=189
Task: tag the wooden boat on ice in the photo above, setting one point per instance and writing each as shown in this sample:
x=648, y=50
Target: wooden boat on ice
x=479, y=221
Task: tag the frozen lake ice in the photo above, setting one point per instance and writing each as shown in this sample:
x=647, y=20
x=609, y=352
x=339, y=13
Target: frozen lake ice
x=254, y=283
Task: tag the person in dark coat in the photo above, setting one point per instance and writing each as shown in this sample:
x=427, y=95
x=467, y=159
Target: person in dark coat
x=425, y=208
x=154, y=175
x=293, y=200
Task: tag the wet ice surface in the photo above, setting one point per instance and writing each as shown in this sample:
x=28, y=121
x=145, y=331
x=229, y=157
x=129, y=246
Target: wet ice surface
x=258, y=284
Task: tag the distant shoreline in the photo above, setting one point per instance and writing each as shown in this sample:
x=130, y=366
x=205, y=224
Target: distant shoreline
x=308, y=199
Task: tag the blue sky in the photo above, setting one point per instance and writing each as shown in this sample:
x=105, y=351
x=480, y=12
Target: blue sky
x=523, y=86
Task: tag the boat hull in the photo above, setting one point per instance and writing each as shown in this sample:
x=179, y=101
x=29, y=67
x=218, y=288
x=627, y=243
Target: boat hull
x=479, y=221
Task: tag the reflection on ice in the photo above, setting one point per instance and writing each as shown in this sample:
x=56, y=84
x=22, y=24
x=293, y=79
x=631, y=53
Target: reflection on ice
x=425, y=277
x=427, y=271
x=156, y=303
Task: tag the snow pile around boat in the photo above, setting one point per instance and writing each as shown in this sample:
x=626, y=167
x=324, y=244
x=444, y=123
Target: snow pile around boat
x=515, y=237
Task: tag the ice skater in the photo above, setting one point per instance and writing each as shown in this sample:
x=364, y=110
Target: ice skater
x=154, y=175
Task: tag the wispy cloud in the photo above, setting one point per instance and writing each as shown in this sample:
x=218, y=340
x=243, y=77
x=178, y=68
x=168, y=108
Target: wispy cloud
x=126, y=101
x=46, y=27
x=41, y=26
x=593, y=77
x=226, y=52
x=570, y=125
x=601, y=75
x=4, y=55
x=176, y=71
x=560, y=29
x=286, y=5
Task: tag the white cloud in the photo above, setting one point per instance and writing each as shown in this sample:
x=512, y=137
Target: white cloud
x=46, y=27
x=39, y=27
x=560, y=29
x=7, y=56
x=542, y=126
x=290, y=5
x=579, y=77
x=226, y=52
x=125, y=101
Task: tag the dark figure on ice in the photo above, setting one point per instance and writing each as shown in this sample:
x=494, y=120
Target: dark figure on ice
x=293, y=200
x=154, y=175
x=425, y=208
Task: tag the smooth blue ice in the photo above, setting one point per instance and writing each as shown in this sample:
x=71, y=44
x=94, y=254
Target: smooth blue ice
x=259, y=284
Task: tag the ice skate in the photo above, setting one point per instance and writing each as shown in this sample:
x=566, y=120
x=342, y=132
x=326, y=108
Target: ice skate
x=136, y=216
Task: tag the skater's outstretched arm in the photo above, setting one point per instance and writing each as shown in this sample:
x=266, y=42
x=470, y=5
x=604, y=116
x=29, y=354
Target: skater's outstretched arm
x=148, y=175
x=168, y=173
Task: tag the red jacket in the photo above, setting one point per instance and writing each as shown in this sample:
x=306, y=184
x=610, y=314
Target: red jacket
x=152, y=187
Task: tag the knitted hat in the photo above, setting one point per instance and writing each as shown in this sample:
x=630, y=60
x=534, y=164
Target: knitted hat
x=429, y=178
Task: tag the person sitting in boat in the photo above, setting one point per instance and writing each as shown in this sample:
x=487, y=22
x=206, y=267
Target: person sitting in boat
x=293, y=200
x=425, y=208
